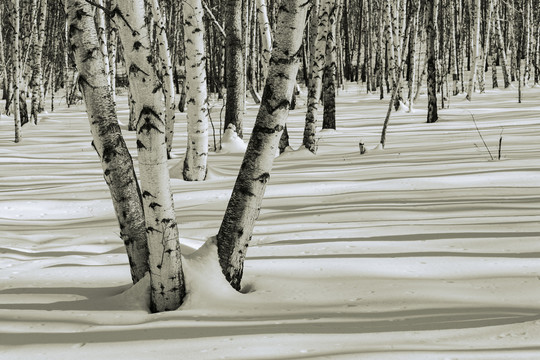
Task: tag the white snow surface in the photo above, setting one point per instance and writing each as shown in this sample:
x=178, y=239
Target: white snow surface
x=426, y=249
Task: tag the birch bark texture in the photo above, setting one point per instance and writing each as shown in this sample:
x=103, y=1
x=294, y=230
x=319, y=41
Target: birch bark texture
x=165, y=71
x=195, y=161
x=330, y=68
x=16, y=70
x=266, y=37
x=475, y=51
x=236, y=90
x=37, y=105
x=431, y=21
x=108, y=142
x=315, y=85
x=245, y=202
x=166, y=274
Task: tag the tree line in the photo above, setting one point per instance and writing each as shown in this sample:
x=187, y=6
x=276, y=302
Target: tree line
x=160, y=48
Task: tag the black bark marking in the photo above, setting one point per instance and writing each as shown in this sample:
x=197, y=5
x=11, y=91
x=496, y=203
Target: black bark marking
x=140, y=145
x=154, y=205
x=134, y=68
x=267, y=130
x=146, y=194
x=263, y=178
x=152, y=230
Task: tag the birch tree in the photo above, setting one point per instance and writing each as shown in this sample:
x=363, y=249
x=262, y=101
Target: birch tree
x=330, y=68
x=266, y=37
x=166, y=274
x=431, y=19
x=165, y=71
x=245, y=202
x=197, y=108
x=315, y=85
x=37, y=105
x=475, y=51
x=16, y=70
x=236, y=91
x=108, y=142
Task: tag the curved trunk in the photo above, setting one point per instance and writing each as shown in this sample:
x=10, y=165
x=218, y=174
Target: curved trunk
x=166, y=275
x=107, y=137
x=244, y=206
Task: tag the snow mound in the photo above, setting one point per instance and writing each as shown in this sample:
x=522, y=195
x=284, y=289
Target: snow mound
x=300, y=153
x=231, y=143
x=206, y=285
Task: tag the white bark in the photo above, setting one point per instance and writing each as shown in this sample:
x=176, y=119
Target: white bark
x=266, y=37
x=474, y=14
x=244, y=205
x=166, y=70
x=166, y=275
x=197, y=108
x=108, y=142
x=102, y=36
x=16, y=70
x=315, y=85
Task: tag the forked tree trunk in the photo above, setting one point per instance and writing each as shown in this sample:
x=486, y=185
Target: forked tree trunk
x=197, y=111
x=236, y=92
x=166, y=275
x=244, y=206
x=166, y=72
x=107, y=137
x=330, y=68
x=315, y=85
x=16, y=71
x=431, y=20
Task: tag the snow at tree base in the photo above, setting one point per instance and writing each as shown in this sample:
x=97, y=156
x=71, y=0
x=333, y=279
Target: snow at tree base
x=428, y=249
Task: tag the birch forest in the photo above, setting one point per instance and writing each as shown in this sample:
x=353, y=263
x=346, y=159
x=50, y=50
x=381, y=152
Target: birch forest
x=295, y=178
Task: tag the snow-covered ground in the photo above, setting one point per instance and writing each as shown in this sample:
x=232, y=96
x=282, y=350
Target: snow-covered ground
x=427, y=249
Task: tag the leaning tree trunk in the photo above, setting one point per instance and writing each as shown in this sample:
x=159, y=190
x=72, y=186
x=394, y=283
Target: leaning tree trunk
x=197, y=111
x=315, y=85
x=236, y=92
x=330, y=69
x=107, y=137
x=245, y=203
x=166, y=275
x=431, y=20
x=166, y=72
x=16, y=71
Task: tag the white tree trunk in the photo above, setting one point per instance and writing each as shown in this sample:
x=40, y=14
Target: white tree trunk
x=266, y=37
x=16, y=71
x=474, y=14
x=197, y=107
x=315, y=85
x=37, y=72
x=243, y=208
x=166, y=275
x=102, y=36
x=166, y=71
x=107, y=137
